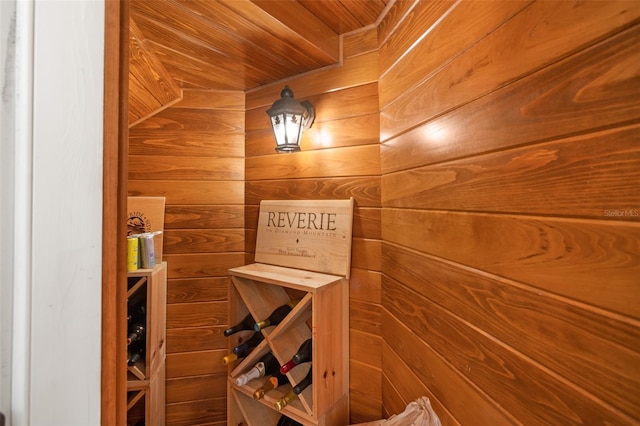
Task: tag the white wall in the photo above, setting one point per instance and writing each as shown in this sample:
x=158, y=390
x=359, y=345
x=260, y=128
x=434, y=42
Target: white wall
x=55, y=265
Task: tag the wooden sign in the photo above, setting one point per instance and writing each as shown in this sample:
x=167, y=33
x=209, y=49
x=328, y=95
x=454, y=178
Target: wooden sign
x=306, y=234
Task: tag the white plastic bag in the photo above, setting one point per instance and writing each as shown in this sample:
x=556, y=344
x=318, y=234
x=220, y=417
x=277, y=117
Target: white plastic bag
x=417, y=413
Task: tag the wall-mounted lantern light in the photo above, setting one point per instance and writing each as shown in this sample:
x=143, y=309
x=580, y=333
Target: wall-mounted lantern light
x=289, y=118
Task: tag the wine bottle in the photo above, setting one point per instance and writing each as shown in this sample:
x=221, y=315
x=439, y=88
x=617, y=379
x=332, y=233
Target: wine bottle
x=136, y=353
x=246, y=324
x=303, y=354
x=265, y=366
x=287, y=421
x=137, y=333
x=247, y=346
x=243, y=349
x=293, y=393
x=277, y=379
x=276, y=316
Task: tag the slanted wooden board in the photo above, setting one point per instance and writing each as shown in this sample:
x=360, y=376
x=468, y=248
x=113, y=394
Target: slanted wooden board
x=314, y=235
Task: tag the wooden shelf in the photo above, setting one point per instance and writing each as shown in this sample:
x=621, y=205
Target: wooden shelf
x=321, y=314
x=145, y=379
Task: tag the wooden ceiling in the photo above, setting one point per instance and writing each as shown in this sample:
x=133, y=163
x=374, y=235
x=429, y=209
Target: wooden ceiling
x=243, y=44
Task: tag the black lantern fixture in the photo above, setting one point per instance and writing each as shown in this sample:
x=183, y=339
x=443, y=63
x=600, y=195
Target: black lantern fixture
x=289, y=118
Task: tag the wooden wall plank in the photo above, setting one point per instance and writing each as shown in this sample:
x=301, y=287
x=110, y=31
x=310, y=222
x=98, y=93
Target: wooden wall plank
x=196, y=339
x=197, y=265
x=196, y=388
x=356, y=71
x=229, y=100
x=408, y=386
x=366, y=254
x=203, y=241
x=364, y=41
x=462, y=398
x=557, y=330
x=196, y=363
x=190, y=192
x=207, y=216
x=365, y=285
x=174, y=142
x=191, y=413
x=350, y=161
x=532, y=394
x=197, y=290
x=394, y=17
x=361, y=377
x=365, y=190
x=586, y=176
x=560, y=105
x=154, y=167
x=201, y=314
x=365, y=348
x=595, y=262
x=364, y=316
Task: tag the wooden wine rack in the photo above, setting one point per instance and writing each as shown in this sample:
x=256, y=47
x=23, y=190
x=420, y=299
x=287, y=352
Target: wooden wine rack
x=321, y=314
x=146, y=379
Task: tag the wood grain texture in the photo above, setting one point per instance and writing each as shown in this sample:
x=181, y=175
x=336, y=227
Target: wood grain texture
x=190, y=192
x=151, y=87
x=196, y=339
x=583, y=260
x=203, y=241
x=200, y=314
x=366, y=254
x=360, y=42
x=197, y=290
x=365, y=190
x=584, y=176
x=558, y=331
x=196, y=388
x=350, y=161
x=592, y=89
x=462, y=398
x=196, y=265
x=196, y=363
x=207, y=216
x=356, y=71
x=401, y=386
x=153, y=167
x=365, y=348
x=508, y=377
x=205, y=411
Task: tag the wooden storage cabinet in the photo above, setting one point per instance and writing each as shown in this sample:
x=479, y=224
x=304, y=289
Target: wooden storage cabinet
x=321, y=314
x=147, y=290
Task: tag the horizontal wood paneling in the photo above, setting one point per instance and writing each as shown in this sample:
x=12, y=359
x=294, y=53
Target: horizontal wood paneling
x=340, y=162
x=196, y=339
x=192, y=154
x=592, y=261
x=154, y=167
x=197, y=412
x=360, y=42
x=196, y=363
x=508, y=273
x=207, y=216
x=363, y=376
x=454, y=391
x=190, y=192
x=364, y=190
x=200, y=314
x=401, y=386
x=196, y=265
x=502, y=373
x=356, y=71
x=582, y=176
x=564, y=103
x=541, y=33
x=203, y=240
x=197, y=290
x=365, y=348
x=365, y=285
x=193, y=388
x=558, y=331
x=365, y=254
